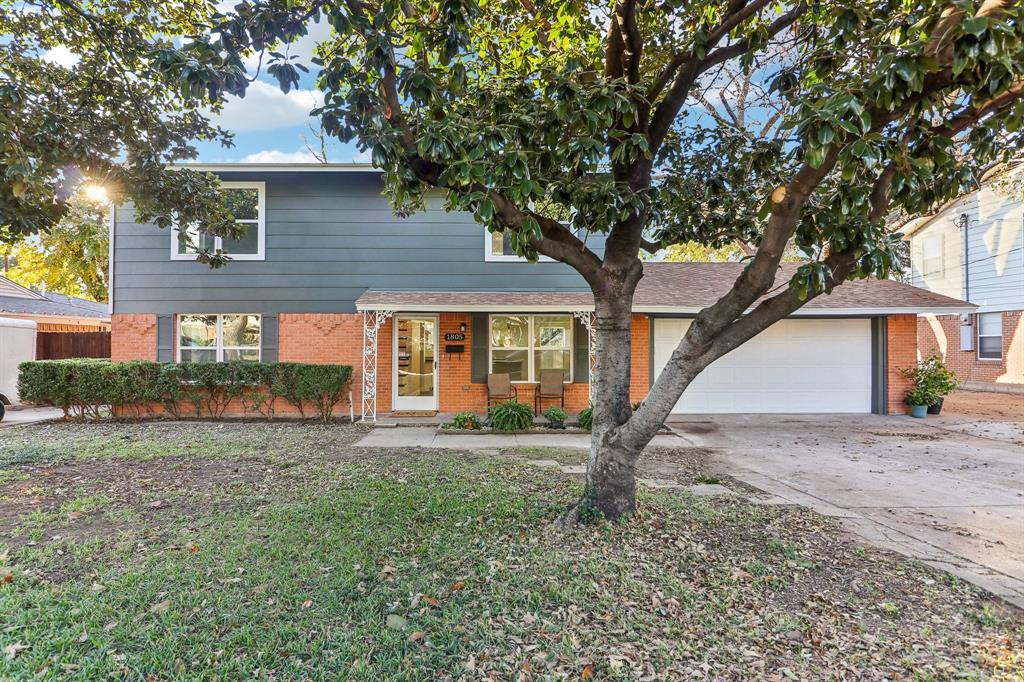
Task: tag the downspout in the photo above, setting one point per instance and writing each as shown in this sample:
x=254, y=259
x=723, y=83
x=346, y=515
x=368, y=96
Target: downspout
x=962, y=224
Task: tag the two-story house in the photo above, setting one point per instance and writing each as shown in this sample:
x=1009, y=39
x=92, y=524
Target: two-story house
x=425, y=308
x=973, y=249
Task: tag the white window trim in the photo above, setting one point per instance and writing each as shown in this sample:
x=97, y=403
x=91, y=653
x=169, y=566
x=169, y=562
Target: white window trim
x=219, y=346
x=941, y=257
x=218, y=242
x=531, y=349
x=514, y=258
x=981, y=336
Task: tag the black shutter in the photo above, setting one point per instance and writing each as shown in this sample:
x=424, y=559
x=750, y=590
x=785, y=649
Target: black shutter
x=580, y=353
x=164, y=338
x=268, y=338
x=478, y=346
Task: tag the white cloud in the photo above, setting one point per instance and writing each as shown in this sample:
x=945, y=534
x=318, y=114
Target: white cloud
x=62, y=56
x=265, y=107
x=302, y=48
x=278, y=156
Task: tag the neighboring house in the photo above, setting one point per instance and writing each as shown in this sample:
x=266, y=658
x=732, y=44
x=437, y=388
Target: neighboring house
x=425, y=307
x=973, y=249
x=52, y=312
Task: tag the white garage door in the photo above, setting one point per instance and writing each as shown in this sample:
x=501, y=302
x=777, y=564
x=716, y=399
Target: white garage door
x=793, y=366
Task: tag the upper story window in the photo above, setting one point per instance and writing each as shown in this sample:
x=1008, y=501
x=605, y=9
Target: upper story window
x=990, y=336
x=216, y=338
x=932, y=254
x=498, y=248
x=523, y=345
x=247, y=201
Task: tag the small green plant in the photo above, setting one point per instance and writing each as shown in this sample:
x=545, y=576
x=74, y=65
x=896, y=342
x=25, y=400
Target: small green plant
x=510, y=416
x=586, y=511
x=637, y=405
x=585, y=419
x=466, y=420
x=556, y=415
x=932, y=381
x=919, y=396
x=706, y=479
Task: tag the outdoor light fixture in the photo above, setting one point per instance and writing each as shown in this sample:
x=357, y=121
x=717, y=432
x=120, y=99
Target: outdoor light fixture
x=462, y=326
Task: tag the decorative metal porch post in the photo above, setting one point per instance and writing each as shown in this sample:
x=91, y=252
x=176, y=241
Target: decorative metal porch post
x=589, y=322
x=373, y=320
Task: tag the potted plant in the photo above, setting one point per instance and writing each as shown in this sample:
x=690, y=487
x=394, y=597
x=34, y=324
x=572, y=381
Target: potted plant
x=556, y=417
x=935, y=379
x=918, y=398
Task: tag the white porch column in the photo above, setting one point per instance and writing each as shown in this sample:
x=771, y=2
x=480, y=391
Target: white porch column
x=589, y=322
x=373, y=320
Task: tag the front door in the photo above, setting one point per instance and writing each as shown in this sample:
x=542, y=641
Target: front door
x=415, y=362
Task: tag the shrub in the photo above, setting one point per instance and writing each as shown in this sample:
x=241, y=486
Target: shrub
x=83, y=388
x=585, y=419
x=466, y=420
x=932, y=381
x=556, y=415
x=510, y=416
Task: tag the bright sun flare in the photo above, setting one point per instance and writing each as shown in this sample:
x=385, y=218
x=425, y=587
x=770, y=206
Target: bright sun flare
x=96, y=193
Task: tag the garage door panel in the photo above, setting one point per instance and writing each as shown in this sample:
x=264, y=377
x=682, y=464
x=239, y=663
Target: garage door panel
x=793, y=366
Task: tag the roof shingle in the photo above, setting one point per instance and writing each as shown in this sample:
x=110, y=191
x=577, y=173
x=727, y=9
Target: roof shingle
x=677, y=287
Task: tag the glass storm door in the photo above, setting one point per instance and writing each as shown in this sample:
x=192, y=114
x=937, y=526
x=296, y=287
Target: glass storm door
x=415, y=363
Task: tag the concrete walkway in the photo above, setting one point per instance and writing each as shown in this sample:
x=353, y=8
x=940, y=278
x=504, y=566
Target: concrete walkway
x=428, y=437
x=30, y=415
x=951, y=498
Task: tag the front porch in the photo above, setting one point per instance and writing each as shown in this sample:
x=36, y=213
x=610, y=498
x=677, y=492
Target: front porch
x=431, y=359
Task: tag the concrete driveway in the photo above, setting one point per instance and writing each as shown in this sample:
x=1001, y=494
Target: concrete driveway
x=948, y=491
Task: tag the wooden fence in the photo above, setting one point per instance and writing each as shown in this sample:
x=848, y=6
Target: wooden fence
x=61, y=345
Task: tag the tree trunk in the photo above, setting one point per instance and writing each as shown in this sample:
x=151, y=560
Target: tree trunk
x=611, y=481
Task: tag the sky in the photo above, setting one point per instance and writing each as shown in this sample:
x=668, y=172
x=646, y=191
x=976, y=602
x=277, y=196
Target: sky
x=269, y=126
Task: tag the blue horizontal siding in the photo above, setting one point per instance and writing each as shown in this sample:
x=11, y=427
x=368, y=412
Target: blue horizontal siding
x=330, y=236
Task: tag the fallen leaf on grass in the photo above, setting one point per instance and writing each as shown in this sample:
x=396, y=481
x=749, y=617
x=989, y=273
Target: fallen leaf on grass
x=587, y=673
x=417, y=636
x=12, y=650
x=160, y=607
x=84, y=637
x=259, y=589
x=433, y=601
x=8, y=578
x=459, y=584
x=306, y=604
x=193, y=548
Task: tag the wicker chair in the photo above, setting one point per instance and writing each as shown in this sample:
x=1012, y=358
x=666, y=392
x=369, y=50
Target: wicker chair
x=552, y=387
x=500, y=389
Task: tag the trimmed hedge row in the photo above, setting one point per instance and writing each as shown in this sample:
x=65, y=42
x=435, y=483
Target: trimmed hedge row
x=83, y=388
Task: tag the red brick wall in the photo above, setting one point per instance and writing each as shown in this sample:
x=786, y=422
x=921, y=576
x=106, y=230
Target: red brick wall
x=902, y=346
x=132, y=337
x=338, y=338
x=334, y=338
x=940, y=334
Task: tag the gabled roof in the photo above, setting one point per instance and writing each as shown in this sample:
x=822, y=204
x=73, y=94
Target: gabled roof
x=680, y=288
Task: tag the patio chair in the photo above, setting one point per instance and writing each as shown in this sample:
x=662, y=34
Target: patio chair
x=500, y=389
x=552, y=387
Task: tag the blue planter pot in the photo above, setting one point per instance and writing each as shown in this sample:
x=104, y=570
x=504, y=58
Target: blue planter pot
x=919, y=411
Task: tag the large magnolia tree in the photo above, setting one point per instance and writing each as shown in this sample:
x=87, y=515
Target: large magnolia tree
x=555, y=120
x=98, y=92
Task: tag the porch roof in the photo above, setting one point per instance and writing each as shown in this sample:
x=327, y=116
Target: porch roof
x=675, y=288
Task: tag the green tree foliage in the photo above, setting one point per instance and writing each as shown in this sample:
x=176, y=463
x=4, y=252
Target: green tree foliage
x=121, y=104
x=554, y=120
x=71, y=257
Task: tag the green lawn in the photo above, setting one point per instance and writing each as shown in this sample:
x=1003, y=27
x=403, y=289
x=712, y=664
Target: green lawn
x=237, y=551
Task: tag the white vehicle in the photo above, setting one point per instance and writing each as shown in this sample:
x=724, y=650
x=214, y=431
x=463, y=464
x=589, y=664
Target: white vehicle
x=17, y=344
